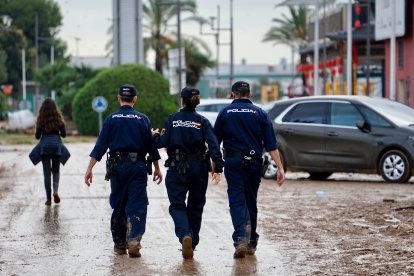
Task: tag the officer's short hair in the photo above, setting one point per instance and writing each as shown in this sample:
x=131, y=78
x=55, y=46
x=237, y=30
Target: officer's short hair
x=127, y=92
x=241, y=87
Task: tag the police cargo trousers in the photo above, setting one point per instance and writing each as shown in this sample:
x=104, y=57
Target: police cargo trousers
x=129, y=201
x=187, y=218
x=243, y=184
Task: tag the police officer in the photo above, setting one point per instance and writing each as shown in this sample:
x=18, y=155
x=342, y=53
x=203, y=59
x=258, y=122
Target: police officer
x=244, y=128
x=127, y=134
x=185, y=135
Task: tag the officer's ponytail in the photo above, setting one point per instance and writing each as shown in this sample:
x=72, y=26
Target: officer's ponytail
x=194, y=101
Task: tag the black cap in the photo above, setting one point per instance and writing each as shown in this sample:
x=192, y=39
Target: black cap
x=188, y=92
x=127, y=90
x=239, y=86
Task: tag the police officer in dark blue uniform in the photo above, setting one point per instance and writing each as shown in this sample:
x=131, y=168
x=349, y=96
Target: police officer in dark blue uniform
x=185, y=135
x=127, y=135
x=244, y=128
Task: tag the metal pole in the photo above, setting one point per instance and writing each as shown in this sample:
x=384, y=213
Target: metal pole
x=316, y=53
x=231, y=44
x=36, y=101
x=24, y=73
x=52, y=61
x=392, y=52
x=349, y=49
x=218, y=47
x=180, y=84
x=139, y=34
x=100, y=121
x=324, y=48
x=368, y=71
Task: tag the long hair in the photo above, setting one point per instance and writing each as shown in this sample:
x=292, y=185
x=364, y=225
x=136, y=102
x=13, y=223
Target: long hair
x=49, y=118
x=192, y=102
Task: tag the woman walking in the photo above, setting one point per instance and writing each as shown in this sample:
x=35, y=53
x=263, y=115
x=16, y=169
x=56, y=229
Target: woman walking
x=50, y=127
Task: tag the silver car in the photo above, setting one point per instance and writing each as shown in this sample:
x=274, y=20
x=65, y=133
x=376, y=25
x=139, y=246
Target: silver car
x=326, y=134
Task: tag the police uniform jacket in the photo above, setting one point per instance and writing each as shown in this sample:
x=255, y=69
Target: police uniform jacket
x=125, y=130
x=243, y=127
x=188, y=132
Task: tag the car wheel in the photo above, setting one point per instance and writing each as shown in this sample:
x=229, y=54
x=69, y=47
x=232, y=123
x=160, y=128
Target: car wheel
x=269, y=169
x=395, y=167
x=319, y=175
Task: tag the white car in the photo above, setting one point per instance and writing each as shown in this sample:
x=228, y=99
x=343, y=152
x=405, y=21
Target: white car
x=210, y=108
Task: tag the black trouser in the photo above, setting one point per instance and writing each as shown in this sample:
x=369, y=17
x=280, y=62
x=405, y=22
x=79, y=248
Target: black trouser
x=187, y=216
x=51, y=165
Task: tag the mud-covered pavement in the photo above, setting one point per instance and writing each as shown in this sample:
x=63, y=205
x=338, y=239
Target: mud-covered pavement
x=346, y=226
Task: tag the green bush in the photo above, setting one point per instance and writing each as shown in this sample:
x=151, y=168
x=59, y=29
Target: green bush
x=4, y=106
x=154, y=99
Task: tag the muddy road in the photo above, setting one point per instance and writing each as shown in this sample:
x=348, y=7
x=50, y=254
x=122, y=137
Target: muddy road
x=349, y=225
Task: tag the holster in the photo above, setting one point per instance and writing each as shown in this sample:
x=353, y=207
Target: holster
x=148, y=163
x=180, y=160
x=208, y=161
x=111, y=161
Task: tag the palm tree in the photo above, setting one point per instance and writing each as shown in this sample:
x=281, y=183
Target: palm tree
x=291, y=30
x=157, y=15
x=196, y=60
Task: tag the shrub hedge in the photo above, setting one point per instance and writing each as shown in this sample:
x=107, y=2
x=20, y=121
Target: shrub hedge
x=154, y=99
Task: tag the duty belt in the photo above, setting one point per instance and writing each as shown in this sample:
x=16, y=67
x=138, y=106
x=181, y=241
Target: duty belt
x=178, y=160
x=122, y=156
x=248, y=157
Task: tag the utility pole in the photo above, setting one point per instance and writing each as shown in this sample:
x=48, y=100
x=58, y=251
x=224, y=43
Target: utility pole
x=316, y=52
x=231, y=44
x=368, y=51
x=392, y=52
x=349, y=49
x=324, y=48
x=37, y=100
x=180, y=69
x=217, y=37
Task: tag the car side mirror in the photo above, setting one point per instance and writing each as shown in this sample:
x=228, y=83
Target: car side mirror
x=363, y=126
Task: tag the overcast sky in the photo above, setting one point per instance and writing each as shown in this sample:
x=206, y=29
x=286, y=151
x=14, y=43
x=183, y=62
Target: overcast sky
x=89, y=21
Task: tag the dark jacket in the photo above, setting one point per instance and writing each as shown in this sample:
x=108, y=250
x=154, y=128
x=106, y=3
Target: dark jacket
x=189, y=132
x=50, y=144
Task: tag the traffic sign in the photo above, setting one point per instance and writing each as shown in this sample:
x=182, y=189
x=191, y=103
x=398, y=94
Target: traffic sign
x=25, y=104
x=99, y=104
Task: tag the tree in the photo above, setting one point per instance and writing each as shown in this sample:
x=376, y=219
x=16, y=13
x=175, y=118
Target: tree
x=196, y=61
x=12, y=41
x=290, y=30
x=23, y=16
x=157, y=15
x=3, y=67
x=65, y=80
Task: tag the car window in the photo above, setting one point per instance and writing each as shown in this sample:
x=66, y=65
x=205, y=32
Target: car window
x=306, y=113
x=206, y=107
x=214, y=107
x=219, y=107
x=373, y=118
x=277, y=109
x=344, y=114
